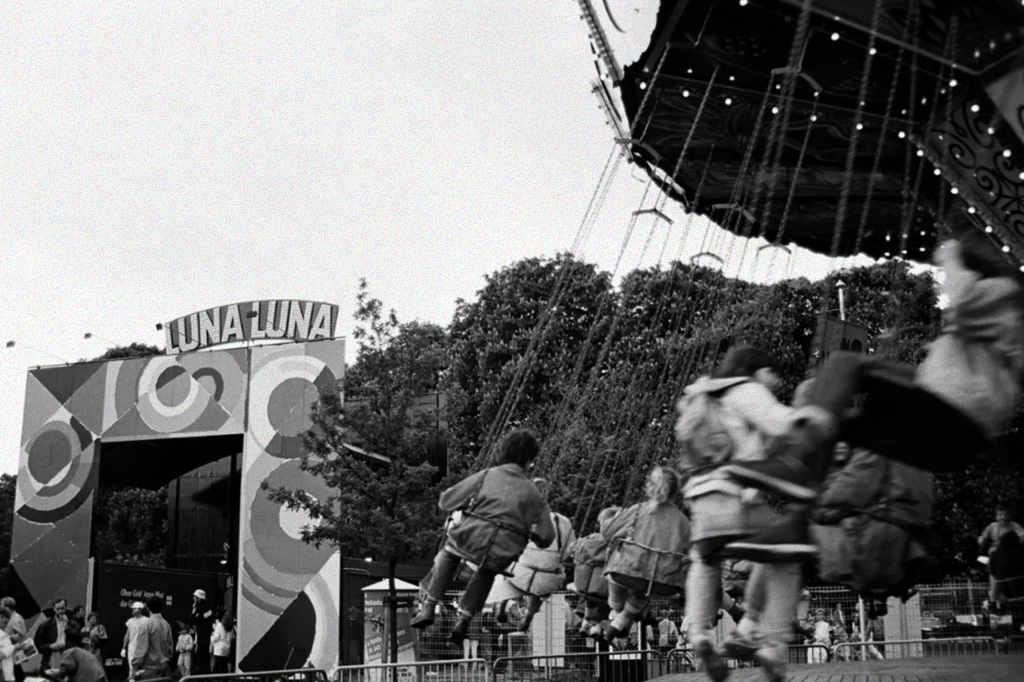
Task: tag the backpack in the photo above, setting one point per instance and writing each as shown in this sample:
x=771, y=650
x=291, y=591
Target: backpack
x=868, y=523
x=700, y=429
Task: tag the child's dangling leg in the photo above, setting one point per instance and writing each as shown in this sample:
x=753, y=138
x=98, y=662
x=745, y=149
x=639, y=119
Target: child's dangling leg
x=501, y=615
x=703, y=583
x=533, y=604
x=446, y=565
x=472, y=602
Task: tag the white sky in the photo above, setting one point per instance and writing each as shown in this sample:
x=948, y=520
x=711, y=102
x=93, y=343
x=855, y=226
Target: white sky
x=160, y=158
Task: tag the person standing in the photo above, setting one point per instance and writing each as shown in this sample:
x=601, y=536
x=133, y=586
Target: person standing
x=156, y=646
x=97, y=635
x=186, y=645
x=8, y=648
x=221, y=642
x=16, y=630
x=50, y=639
x=134, y=639
x=988, y=544
x=201, y=619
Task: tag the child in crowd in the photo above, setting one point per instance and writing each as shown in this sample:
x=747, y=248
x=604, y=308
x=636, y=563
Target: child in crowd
x=502, y=510
x=185, y=647
x=539, y=571
x=96, y=635
x=589, y=556
x=648, y=552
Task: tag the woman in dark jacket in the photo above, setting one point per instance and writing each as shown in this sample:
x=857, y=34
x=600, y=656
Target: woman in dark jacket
x=502, y=510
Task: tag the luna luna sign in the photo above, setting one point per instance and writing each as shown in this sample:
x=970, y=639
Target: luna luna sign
x=251, y=321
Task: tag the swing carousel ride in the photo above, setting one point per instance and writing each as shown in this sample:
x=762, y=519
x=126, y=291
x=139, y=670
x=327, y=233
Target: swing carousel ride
x=843, y=126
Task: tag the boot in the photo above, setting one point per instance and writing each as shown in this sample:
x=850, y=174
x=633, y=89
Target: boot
x=773, y=662
x=425, y=616
x=461, y=629
x=714, y=664
x=502, y=614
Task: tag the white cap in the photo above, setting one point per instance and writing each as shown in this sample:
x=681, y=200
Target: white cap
x=137, y=606
x=199, y=593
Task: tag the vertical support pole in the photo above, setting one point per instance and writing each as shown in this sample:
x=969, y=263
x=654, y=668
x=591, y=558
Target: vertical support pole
x=863, y=628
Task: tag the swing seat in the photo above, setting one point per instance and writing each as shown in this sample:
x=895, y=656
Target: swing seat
x=907, y=423
x=589, y=580
x=644, y=585
x=537, y=582
x=730, y=521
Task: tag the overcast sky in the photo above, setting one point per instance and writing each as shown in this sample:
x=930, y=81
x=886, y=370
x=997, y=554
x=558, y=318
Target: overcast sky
x=160, y=158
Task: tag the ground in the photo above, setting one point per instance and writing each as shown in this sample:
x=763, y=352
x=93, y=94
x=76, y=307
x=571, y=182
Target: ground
x=960, y=669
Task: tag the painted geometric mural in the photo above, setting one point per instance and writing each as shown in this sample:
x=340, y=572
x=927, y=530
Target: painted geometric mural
x=277, y=569
x=263, y=392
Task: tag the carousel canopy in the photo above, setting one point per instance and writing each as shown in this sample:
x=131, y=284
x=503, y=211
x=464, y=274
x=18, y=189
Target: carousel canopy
x=845, y=126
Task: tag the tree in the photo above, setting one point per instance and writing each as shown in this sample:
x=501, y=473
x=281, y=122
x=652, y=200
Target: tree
x=382, y=495
x=132, y=350
x=130, y=526
x=8, y=485
x=511, y=346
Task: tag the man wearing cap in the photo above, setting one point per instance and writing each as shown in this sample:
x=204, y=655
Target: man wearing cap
x=135, y=638
x=202, y=620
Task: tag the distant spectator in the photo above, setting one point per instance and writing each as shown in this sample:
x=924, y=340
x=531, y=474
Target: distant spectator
x=220, y=644
x=988, y=544
x=51, y=635
x=156, y=646
x=97, y=635
x=77, y=664
x=185, y=647
x=16, y=630
x=201, y=619
x=78, y=615
x=135, y=639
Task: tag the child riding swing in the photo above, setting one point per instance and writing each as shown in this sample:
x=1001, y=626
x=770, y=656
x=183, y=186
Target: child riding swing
x=502, y=510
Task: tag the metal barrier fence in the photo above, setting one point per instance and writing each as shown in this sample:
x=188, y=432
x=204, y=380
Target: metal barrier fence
x=607, y=666
x=464, y=670
x=683, y=660
x=919, y=648
x=950, y=610
x=298, y=675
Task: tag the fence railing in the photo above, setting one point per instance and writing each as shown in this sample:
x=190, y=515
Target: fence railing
x=919, y=648
x=459, y=670
x=297, y=675
x=608, y=666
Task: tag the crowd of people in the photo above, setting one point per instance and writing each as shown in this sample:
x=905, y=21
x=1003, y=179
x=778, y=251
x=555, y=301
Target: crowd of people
x=764, y=482
x=70, y=645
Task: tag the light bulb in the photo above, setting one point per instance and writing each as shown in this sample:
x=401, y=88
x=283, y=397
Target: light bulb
x=686, y=93
x=975, y=108
x=901, y=134
x=835, y=36
x=728, y=101
x=1007, y=153
x=988, y=229
x=775, y=110
x=1006, y=249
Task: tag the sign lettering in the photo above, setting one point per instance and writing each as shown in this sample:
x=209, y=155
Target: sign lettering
x=251, y=321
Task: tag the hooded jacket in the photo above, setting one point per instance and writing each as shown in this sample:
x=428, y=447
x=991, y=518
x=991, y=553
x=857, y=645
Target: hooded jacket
x=975, y=364
x=502, y=510
x=589, y=556
x=651, y=545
